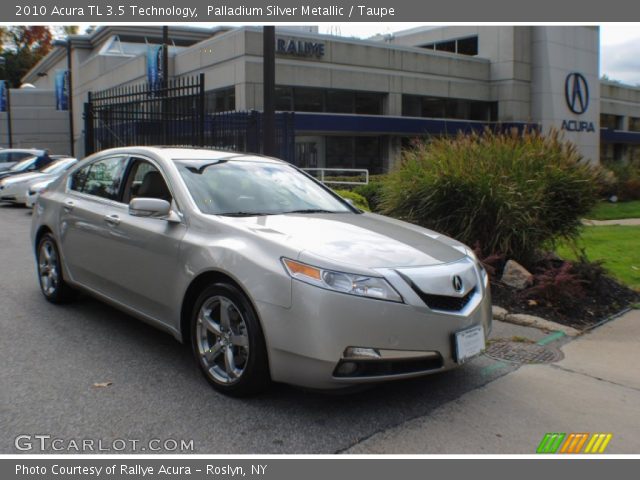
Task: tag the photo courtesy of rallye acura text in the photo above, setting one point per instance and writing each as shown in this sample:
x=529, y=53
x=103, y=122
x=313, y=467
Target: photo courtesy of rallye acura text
x=268, y=274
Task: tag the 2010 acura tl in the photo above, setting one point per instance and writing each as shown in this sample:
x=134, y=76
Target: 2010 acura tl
x=265, y=271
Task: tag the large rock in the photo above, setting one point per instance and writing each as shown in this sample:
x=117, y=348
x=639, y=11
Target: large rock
x=499, y=313
x=516, y=276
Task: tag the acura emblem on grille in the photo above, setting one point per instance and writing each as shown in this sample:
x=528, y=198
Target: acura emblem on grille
x=457, y=283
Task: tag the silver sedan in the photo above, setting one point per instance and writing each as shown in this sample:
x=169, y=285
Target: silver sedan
x=268, y=274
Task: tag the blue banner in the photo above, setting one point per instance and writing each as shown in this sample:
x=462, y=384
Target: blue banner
x=3, y=95
x=62, y=89
x=155, y=67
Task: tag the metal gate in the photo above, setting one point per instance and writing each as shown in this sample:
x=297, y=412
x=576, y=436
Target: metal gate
x=176, y=115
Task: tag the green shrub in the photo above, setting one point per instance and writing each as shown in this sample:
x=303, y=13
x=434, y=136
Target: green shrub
x=626, y=180
x=372, y=191
x=358, y=200
x=509, y=193
x=630, y=190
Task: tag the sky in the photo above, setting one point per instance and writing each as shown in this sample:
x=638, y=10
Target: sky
x=619, y=45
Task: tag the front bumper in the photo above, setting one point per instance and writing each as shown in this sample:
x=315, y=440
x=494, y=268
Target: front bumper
x=308, y=341
x=13, y=194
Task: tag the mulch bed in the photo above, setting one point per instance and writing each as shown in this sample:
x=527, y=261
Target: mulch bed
x=602, y=301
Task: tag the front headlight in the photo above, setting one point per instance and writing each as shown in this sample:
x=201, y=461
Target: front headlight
x=350, y=283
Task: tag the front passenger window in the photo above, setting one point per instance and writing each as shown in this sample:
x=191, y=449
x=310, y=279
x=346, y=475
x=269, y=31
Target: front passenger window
x=146, y=181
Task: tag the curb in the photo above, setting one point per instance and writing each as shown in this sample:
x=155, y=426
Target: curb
x=525, y=320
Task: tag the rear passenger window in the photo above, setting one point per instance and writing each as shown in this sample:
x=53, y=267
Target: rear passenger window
x=101, y=178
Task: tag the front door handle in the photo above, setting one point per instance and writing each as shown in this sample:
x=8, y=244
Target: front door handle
x=112, y=220
x=68, y=206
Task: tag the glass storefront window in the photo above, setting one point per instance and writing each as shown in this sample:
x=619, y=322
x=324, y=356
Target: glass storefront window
x=354, y=152
x=308, y=100
x=302, y=99
x=460, y=109
x=613, y=122
x=223, y=100
x=461, y=46
x=339, y=152
x=368, y=104
x=284, y=99
x=340, y=101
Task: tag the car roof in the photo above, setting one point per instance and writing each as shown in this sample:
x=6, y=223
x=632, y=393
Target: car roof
x=194, y=153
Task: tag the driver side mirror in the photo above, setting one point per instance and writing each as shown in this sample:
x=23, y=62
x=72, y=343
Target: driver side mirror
x=152, y=208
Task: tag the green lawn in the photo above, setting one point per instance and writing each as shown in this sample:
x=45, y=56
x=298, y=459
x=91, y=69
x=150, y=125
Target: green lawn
x=615, y=211
x=618, y=246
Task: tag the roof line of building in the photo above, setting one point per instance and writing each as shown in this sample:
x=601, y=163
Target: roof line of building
x=152, y=33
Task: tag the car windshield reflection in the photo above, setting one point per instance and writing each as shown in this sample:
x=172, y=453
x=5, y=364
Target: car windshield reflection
x=249, y=188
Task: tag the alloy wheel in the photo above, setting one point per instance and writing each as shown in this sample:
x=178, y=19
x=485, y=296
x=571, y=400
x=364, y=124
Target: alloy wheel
x=222, y=339
x=48, y=268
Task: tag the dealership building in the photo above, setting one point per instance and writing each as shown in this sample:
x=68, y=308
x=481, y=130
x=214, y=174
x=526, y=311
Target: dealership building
x=358, y=102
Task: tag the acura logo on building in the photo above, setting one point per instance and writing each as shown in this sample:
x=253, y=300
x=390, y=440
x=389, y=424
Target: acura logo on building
x=576, y=93
x=457, y=283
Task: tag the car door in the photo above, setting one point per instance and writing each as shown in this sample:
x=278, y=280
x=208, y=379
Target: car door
x=144, y=252
x=85, y=230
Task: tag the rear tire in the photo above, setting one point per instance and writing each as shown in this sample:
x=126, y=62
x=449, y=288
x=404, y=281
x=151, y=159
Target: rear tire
x=50, y=276
x=228, y=341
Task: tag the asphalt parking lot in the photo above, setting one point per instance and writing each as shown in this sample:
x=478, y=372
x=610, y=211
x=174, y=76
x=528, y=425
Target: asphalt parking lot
x=52, y=356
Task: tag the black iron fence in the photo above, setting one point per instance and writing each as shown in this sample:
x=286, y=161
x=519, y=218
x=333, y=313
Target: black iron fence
x=176, y=114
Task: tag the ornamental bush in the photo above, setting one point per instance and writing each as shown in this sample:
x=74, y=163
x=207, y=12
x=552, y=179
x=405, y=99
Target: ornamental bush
x=357, y=199
x=510, y=193
x=372, y=191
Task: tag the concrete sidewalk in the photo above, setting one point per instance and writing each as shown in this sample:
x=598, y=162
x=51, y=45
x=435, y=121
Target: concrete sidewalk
x=620, y=221
x=595, y=388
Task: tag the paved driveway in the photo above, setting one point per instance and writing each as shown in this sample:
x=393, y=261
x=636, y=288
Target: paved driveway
x=52, y=356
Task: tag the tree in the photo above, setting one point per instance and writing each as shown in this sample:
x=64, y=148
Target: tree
x=22, y=47
x=66, y=30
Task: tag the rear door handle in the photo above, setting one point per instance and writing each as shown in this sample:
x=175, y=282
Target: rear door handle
x=112, y=220
x=68, y=206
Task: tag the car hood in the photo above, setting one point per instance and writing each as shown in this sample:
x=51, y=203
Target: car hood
x=362, y=240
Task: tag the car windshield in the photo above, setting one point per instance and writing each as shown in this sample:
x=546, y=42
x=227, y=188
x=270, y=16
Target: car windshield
x=245, y=188
x=22, y=164
x=58, y=166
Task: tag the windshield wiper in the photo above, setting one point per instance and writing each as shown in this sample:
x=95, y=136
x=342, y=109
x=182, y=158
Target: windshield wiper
x=243, y=214
x=200, y=170
x=311, y=210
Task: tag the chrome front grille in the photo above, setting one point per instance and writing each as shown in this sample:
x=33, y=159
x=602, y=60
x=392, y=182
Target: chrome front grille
x=444, y=302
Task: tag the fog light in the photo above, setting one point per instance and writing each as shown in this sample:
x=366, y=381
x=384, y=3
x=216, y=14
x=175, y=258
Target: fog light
x=362, y=353
x=346, y=369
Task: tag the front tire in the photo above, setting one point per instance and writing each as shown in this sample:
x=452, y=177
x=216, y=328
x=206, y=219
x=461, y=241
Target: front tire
x=50, y=275
x=228, y=342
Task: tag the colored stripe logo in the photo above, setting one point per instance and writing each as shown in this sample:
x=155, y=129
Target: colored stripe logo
x=574, y=443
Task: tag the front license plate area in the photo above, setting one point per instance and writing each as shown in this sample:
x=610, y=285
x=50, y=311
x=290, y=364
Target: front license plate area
x=469, y=343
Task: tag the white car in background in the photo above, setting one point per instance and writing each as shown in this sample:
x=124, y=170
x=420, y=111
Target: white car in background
x=16, y=189
x=34, y=191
